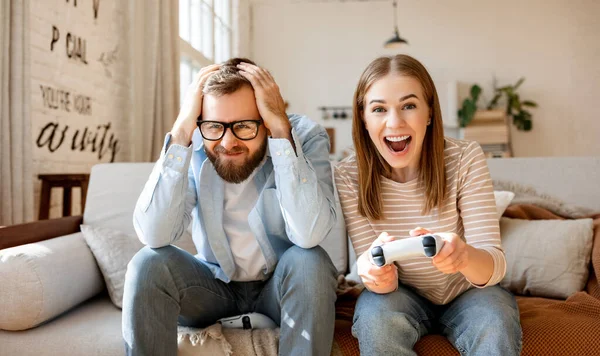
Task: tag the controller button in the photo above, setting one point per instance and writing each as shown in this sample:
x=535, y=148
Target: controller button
x=379, y=261
x=430, y=251
x=428, y=241
x=377, y=251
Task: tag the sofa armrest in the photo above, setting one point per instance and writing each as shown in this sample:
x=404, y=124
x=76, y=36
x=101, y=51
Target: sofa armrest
x=22, y=234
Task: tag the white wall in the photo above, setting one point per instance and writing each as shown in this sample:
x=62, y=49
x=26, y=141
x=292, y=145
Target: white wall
x=317, y=51
x=103, y=80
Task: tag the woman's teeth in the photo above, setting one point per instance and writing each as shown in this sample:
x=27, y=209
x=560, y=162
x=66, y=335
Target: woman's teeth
x=398, y=143
x=397, y=138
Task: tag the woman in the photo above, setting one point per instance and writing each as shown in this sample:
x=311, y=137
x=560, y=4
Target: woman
x=406, y=179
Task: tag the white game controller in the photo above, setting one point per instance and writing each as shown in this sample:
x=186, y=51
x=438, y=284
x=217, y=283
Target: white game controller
x=248, y=321
x=425, y=245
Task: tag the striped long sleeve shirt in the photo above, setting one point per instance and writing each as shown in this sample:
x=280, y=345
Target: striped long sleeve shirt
x=469, y=210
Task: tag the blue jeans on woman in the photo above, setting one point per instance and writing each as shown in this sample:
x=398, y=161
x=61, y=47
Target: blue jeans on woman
x=479, y=322
x=168, y=286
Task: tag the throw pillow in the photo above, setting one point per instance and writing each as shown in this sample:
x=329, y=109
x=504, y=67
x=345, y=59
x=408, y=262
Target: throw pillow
x=113, y=250
x=546, y=258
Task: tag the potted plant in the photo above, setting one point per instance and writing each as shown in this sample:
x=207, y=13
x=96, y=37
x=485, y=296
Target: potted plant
x=515, y=107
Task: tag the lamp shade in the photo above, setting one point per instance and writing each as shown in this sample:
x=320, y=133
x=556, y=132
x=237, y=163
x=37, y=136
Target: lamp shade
x=395, y=42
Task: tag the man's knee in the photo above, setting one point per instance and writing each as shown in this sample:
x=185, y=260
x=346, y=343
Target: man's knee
x=149, y=263
x=297, y=256
x=309, y=267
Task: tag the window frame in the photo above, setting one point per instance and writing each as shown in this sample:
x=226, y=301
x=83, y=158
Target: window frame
x=196, y=57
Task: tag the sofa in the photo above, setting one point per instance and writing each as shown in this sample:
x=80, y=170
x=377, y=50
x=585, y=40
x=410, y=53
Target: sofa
x=72, y=312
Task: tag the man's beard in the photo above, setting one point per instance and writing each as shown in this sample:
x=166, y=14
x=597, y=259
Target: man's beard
x=231, y=172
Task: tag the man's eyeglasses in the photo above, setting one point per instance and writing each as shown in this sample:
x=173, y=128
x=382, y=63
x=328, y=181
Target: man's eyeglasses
x=214, y=130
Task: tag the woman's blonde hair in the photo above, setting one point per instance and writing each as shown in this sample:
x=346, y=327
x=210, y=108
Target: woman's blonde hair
x=371, y=165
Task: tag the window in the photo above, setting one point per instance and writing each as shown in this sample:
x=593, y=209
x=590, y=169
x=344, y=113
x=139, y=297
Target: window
x=205, y=32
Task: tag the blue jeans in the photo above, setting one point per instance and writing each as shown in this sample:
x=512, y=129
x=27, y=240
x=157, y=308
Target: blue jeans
x=167, y=286
x=479, y=322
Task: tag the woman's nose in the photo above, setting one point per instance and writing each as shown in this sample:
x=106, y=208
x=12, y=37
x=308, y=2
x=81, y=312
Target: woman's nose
x=395, y=119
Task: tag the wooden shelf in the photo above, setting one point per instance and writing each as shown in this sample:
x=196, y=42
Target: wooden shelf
x=484, y=117
x=490, y=129
x=487, y=134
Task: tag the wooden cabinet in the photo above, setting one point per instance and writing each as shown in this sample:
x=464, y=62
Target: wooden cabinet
x=490, y=129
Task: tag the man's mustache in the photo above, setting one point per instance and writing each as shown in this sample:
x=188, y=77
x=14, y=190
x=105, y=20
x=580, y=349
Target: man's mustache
x=236, y=149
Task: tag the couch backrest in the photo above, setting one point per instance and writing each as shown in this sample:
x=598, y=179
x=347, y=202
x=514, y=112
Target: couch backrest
x=115, y=187
x=575, y=180
x=112, y=193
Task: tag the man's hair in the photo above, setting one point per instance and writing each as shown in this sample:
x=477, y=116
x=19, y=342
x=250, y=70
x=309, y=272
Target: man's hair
x=227, y=79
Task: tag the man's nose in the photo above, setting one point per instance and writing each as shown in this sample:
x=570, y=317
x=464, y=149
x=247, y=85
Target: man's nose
x=229, y=141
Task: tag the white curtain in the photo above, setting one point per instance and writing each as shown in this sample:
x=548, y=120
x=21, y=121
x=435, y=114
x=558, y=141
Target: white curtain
x=16, y=174
x=155, y=74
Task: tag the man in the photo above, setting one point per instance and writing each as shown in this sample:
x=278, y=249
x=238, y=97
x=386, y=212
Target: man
x=258, y=186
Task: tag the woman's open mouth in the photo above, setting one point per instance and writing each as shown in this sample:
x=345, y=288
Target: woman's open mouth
x=398, y=144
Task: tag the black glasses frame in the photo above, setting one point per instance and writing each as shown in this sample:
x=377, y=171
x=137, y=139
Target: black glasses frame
x=228, y=125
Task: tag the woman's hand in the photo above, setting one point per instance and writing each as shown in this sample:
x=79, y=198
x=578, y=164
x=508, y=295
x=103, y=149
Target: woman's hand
x=379, y=280
x=454, y=255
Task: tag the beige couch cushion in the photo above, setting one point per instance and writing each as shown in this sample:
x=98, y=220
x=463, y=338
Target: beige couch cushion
x=546, y=258
x=41, y=280
x=92, y=329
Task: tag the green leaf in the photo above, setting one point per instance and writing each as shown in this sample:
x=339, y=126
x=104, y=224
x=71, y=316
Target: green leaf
x=475, y=91
x=515, y=102
x=494, y=101
x=527, y=125
x=529, y=103
x=518, y=84
x=467, y=112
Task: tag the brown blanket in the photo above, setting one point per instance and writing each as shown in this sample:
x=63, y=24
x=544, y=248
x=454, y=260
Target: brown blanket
x=550, y=327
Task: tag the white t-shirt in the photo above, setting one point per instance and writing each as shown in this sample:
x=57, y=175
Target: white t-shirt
x=249, y=260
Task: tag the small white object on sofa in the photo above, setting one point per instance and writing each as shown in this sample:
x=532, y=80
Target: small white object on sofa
x=503, y=199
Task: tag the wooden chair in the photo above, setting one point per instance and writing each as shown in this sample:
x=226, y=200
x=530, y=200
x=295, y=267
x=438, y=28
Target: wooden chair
x=67, y=182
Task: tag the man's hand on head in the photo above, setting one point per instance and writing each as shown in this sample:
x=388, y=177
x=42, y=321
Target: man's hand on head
x=184, y=126
x=268, y=100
